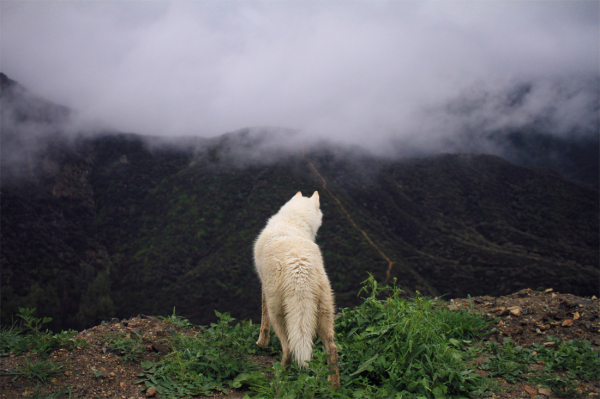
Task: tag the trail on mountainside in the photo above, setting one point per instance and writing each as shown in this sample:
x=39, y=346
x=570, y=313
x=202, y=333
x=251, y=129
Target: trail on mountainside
x=390, y=263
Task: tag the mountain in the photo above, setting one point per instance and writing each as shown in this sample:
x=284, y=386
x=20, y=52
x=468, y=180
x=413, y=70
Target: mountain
x=121, y=224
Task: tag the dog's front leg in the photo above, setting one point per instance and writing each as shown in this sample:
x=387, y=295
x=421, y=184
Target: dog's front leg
x=265, y=327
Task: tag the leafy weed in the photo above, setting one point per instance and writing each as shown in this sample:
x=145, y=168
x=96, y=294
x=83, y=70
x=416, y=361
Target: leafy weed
x=30, y=337
x=129, y=346
x=204, y=363
x=42, y=370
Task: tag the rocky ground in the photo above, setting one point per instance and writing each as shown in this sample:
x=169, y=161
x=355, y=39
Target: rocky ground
x=92, y=371
x=528, y=317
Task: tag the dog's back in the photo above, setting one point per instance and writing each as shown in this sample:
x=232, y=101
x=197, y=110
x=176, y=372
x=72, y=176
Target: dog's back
x=296, y=291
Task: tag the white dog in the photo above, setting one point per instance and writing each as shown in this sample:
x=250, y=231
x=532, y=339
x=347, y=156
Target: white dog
x=296, y=294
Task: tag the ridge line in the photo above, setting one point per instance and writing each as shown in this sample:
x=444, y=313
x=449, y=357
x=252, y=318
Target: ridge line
x=390, y=263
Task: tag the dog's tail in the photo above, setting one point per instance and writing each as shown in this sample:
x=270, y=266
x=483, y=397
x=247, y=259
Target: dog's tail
x=300, y=304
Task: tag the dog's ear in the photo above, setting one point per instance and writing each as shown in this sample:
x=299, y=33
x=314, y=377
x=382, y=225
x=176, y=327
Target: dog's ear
x=315, y=198
x=298, y=194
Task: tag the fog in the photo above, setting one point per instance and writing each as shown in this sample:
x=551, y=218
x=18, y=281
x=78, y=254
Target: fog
x=359, y=73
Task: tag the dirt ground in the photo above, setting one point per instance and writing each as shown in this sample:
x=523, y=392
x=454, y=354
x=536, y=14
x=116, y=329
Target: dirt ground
x=93, y=372
x=528, y=317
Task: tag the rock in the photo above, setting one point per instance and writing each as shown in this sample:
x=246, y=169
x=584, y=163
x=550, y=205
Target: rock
x=545, y=391
x=515, y=311
x=576, y=316
x=518, y=330
x=151, y=392
x=567, y=323
x=160, y=348
x=566, y=305
x=530, y=390
x=501, y=311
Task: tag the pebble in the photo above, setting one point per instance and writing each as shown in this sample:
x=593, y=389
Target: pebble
x=151, y=392
x=567, y=323
x=530, y=390
x=515, y=311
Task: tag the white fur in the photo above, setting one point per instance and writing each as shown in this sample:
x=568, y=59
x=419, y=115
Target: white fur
x=297, y=298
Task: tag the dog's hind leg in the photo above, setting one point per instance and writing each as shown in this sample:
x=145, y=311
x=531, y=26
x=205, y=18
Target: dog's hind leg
x=326, y=333
x=265, y=327
x=281, y=332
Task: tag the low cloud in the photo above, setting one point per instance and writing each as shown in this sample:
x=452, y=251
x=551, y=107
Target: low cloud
x=358, y=73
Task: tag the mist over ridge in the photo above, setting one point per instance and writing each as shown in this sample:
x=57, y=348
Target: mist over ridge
x=30, y=124
x=357, y=74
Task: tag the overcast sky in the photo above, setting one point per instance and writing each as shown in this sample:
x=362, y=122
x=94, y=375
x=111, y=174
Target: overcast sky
x=356, y=71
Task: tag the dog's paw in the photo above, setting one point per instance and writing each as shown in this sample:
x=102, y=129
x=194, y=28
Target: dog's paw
x=262, y=343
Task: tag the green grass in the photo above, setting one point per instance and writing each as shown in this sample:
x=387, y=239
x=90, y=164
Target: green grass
x=37, y=394
x=204, y=363
x=564, y=362
x=29, y=337
x=178, y=321
x=128, y=346
x=41, y=370
x=410, y=348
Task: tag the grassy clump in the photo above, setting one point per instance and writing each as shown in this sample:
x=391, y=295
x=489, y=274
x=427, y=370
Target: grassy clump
x=387, y=348
x=293, y=382
x=178, y=321
x=406, y=348
x=204, y=363
x=29, y=337
x=41, y=370
x=576, y=357
x=127, y=345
